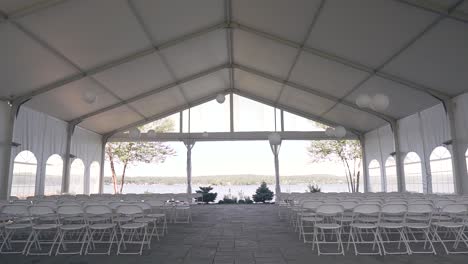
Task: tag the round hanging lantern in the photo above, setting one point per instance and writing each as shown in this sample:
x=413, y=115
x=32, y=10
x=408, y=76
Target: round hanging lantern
x=274, y=138
x=134, y=133
x=330, y=131
x=340, y=132
x=363, y=100
x=380, y=102
x=220, y=98
x=89, y=96
x=151, y=133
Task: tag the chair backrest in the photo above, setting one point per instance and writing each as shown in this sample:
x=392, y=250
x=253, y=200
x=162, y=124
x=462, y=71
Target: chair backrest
x=51, y=204
x=394, y=209
x=97, y=210
x=330, y=209
x=367, y=209
x=69, y=210
x=144, y=206
x=456, y=209
x=15, y=210
x=39, y=210
x=348, y=205
x=311, y=205
x=420, y=209
x=129, y=209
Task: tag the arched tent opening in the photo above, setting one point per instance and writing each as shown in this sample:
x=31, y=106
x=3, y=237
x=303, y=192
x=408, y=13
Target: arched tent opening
x=53, y=175
x=77, y=177
x=24, y=174
x=94, y=177
x=441, y=170
x=375, y=177
x=413, y=173
x=391, y=180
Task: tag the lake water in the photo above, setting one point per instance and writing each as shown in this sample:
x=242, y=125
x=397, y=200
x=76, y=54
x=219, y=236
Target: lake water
x=229, y=190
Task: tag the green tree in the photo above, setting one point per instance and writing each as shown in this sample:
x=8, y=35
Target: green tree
x=127, y=153
x=207, y=196
x=263, y=194
x=348, y=151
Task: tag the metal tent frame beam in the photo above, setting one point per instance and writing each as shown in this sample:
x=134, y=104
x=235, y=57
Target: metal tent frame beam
x=229, y=136
x=434, y=8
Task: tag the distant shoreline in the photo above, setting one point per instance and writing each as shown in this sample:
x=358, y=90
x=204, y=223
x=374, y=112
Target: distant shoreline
x=233, y=179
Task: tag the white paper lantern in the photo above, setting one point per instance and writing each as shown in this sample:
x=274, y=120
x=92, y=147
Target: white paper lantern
x=379, y=102
x=340, y=132
x=151, y=133
x=89, y=96
x=363, y=100
x=274, y=138
x=330, y=131
x=220, y=98
x=134, y=133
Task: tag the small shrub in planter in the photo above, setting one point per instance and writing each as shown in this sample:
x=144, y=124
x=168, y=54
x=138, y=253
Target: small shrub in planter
x=241, y=201
x=248, y=200
x=313, y=188
x=228, y=200
x=221, y=202
x=263, y=194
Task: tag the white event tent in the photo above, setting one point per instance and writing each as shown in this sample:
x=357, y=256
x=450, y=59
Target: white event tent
x=75, y=74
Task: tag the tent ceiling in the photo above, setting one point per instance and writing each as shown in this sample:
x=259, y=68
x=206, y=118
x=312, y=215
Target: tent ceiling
x=148, y=58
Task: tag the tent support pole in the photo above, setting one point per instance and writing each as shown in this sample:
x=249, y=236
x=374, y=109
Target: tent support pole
x=103, y=163
x=189, y=143
x=67, y=158
x=275, y=148
x=5, y=178
x=458, y=156
x=398, y=160
x=365, y=167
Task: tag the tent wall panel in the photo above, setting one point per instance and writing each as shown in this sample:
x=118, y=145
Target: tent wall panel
x=44, y=136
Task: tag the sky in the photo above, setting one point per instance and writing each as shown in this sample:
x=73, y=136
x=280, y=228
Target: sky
x=237, y=157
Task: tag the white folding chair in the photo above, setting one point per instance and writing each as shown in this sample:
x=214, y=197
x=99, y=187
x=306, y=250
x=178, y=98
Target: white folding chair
x=72, y=226
x=452, y=231
x=391, y=228
x=364, y=224
x=306, y=219
x=100, y=226
x=418, y=223
x=18, y=230
x=45, y=229
x=158, y=211
x=131, y=232
x=330, y=215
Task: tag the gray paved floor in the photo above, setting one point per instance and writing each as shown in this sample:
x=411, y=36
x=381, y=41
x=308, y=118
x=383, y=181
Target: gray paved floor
x=233, y=234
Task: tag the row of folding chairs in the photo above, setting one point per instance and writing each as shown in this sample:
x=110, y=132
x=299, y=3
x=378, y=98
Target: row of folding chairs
x=393, y=228
x=43, y=230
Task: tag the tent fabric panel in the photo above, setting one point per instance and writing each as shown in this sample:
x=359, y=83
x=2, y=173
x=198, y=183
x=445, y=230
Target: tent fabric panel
x=262, y=54
x=387, y=145
x=9, y=6
x=402, y=98
x=160, y=102
x=436, y=62
x=435, y=127
x=206, y=85
x=287, y=19
x=197, y=54
x=257, y=85
x=367, y=31
x=135, y=77
x=110, y=120
x=67, y=101
x=89, y=32
x=304, y=101
x=325, y=75
x=353, y=118
x=372, y=146
x=22, y=74
x=169, y=19
x=86, y=145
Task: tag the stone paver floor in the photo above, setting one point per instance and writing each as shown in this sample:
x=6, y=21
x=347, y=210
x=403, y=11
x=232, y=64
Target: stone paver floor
x=223, y=234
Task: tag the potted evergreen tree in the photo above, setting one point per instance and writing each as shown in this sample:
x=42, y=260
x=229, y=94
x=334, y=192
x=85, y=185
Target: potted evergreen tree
x=263, y=194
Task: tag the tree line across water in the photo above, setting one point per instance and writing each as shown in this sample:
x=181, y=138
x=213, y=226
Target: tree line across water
x=232, y=179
